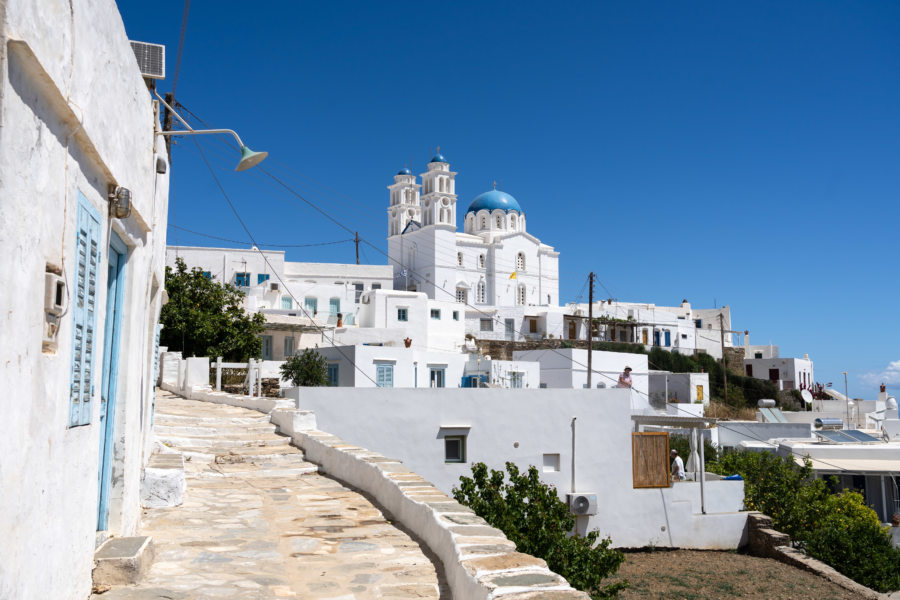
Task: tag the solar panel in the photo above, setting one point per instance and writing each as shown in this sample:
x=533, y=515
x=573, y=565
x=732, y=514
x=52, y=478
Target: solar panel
x=834, y=436
x=767, y=415
x=779, y=416
x=860, y=436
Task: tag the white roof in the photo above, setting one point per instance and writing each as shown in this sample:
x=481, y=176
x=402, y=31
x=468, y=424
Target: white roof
x=853, y=465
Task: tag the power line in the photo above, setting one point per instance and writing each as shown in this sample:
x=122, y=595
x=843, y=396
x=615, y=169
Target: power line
x=269, y=245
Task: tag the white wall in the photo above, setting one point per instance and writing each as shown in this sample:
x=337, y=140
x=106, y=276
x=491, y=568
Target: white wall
x=357, y=365
x=732, y=433
x=499, y=372
x=793, y=373
x=75, y=111
x=681, y=387
x=523, y=426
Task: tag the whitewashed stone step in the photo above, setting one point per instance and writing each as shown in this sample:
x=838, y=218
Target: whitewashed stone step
x=163, y=418
x=236, y=455
x=212, y=430
x=258, y=472
x=225, y=441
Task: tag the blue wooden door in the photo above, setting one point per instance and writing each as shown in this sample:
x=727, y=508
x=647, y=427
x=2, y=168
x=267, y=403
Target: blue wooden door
x=266, y=347
x=114, y=291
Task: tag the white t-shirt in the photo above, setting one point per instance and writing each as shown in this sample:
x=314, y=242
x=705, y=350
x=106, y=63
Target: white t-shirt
x=678, y=467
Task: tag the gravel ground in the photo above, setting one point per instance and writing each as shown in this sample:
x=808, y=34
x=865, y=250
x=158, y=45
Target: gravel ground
x=699, y=575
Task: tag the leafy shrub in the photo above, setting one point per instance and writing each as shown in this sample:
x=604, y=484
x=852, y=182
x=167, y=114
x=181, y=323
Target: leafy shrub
x=531, y=515
x=840, y=530
x=682, y=443
x=307, y=369
x=850, y=537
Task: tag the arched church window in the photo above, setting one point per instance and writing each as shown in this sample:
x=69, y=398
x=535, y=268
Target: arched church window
x=521, y=297
x=520, y=261
x=461, y=295
x=499, y=221
x=479, y=292
x=512, y=221
x=481, y=261
x=459, y=259
x=483, y=222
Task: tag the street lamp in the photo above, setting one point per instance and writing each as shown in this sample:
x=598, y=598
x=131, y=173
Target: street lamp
x=249, y=158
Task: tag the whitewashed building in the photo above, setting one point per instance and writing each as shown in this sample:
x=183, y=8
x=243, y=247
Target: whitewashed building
x=77, y=148
x=493, y=264
x=320, y=291
x=786, y=373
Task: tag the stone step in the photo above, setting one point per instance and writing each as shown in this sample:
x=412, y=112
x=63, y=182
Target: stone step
x=165, y=418
x=256, y=472
x=225, y=442
x=237, y=455
x=122, y=560
x=212, y=430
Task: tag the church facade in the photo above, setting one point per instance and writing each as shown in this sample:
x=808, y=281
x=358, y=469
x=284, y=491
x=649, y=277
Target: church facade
x=493, y=264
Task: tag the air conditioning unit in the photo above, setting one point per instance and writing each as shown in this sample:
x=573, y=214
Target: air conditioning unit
x=55, y=298
x=273, y=287
x=582, y=504
x=151, y=59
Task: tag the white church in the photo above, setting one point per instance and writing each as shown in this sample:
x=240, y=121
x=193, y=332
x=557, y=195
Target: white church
x=495, y=266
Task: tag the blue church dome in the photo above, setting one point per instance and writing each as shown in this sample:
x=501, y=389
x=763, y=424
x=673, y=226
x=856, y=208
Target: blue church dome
x=404, y=171
x=438, y=158
x=493, y=200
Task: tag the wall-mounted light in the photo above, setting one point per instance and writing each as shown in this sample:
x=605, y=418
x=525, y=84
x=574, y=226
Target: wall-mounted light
x=119, y=202
x=249, y=158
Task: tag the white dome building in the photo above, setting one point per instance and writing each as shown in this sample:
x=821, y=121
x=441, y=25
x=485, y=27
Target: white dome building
x=493, y=263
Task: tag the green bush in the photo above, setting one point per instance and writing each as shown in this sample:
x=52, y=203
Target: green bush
x=531, y=515
x=682, y=443
x=307, y=369
x=849, y=537
x=840, y=530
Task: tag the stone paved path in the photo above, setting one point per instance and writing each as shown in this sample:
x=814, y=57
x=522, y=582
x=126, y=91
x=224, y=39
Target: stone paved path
x=258, y=522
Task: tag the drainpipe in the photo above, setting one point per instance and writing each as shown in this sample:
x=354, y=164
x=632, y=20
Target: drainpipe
x=573, y=454
x=702, y=472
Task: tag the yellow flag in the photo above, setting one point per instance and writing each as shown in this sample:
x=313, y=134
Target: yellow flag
x=514, y=275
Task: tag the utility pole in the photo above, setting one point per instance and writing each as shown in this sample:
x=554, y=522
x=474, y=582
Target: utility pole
x=356, y=240
x=590, y=334
x=167, y=124
x=724, y=362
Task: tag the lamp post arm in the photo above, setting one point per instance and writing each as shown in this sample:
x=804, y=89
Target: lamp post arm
x=191, y=130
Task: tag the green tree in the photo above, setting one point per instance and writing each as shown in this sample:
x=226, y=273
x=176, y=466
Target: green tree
x=203, y=318
x=531, y=515
x=307, y=369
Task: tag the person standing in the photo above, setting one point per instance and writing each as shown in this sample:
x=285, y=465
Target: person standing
x=625, y=378
x=677, y=466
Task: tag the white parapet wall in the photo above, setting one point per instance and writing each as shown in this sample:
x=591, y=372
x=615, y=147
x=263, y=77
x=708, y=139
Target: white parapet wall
x=535, y=427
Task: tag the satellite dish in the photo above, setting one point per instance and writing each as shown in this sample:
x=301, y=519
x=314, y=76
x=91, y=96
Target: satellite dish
x=807, y=397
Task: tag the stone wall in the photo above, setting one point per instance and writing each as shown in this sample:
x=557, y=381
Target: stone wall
x=734, y=360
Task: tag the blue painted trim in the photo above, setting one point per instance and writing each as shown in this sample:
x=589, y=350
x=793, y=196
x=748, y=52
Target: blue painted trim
x=118, y=259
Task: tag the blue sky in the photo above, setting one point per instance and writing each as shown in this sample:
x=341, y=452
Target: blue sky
x=740, y=154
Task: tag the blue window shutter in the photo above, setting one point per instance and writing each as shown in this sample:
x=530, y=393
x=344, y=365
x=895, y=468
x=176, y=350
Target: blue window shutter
x=84, y=313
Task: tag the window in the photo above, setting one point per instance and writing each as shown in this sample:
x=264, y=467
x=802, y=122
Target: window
x=499, y=221
x=459, y=259
x=207, y=274
x=532, y=325
x=376, y=286
x=757, y=355
x=286, y=303
x=668, y=335
x=512, y=221
x=684, y=336
x=483, y=222
x=521, y=297
x=455, y=449
x=461, y=295
x=436, y=314
x=288, y=346
x=333, y=375
x=311, y=304
x=242, y=279
x=334, y=306
x=481, y=261
x=480, y=295
x=261, y=278
x=437, y=377
x=698, y=323
x=456, y=315
x=516, y=379
x=403, y=314
x=84, y=313
x=359, y=290
x=487, y=324
x=266, y=347
x=520, y=261
x=384, y=375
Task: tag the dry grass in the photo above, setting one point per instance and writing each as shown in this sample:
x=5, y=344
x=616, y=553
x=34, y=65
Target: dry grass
x=717, y=410
x=707, y=575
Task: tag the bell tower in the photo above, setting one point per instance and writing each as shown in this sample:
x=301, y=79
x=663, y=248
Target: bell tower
x=404, y=205
x=439, y=192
